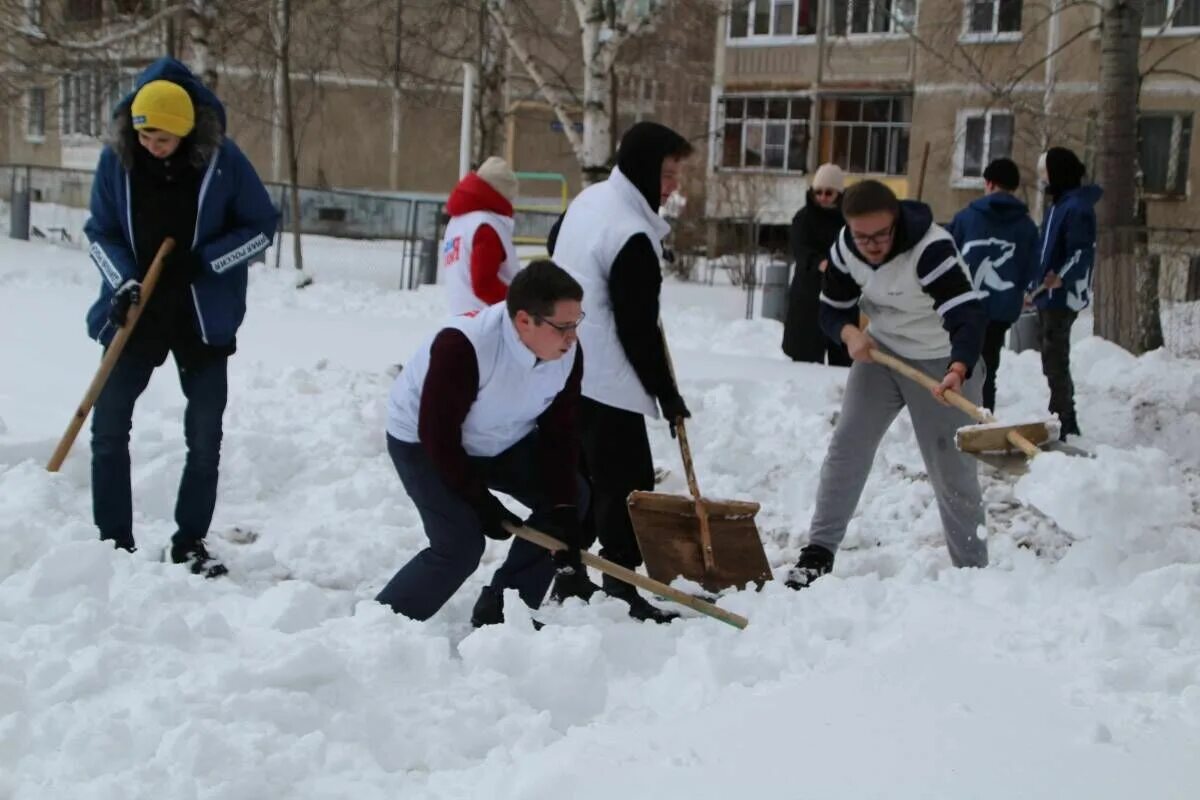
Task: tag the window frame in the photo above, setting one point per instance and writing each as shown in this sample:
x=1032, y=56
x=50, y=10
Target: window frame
x=752, y=39
x=892, y=127
x=993, y=36
x=761, y=124
x=28, y=109
x=1165, y=30
x=894, y=30
x=1183, y=150
x=957, y=179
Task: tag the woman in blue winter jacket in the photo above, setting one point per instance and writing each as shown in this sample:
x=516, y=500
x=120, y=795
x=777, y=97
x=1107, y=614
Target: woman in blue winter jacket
x=1067, y=252
x=168, y=170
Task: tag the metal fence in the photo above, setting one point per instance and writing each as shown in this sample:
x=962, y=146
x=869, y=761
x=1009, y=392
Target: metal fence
x=414, y=217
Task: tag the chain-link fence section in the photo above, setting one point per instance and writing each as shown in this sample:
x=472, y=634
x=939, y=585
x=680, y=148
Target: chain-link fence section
x=59, y=200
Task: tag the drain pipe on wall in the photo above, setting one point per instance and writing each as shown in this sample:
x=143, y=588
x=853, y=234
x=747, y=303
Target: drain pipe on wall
x=470, y=75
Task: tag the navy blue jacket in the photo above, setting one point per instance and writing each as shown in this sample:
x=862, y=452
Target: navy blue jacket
x=234, y=222
x=1068, y=248
x=999, y=243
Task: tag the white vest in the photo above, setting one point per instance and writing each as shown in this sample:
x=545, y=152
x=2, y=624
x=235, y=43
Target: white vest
x=598, y=223
x=902, y=314
x=456, y=257
x=514, y=386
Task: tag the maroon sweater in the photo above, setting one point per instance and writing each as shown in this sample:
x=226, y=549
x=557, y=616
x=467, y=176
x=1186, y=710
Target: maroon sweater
x=450, y=388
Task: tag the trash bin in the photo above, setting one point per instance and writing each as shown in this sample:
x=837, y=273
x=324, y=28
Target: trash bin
x=1025, y=333
x=427, y=258
x=775, y=290
x=18, y=215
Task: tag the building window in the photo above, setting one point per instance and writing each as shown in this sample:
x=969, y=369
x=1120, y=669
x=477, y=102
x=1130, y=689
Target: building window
x=858, y=17
x=35, y=114
x=1169, y=14
x=83, y=10
x=765, y=134
x=866, y=134
x=983, y=136
x=993, y=16
x=1164, y=141
x=87, y=98
x=760, y=18
x=33, y=13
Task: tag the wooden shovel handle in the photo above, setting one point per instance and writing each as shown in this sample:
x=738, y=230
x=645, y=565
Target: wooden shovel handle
x=953, y=398
x=110, y=359
x=685, y=453
x=629, y=576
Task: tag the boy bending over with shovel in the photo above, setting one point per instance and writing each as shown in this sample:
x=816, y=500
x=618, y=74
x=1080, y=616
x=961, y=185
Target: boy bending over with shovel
x=905, y=273
x=491, y=403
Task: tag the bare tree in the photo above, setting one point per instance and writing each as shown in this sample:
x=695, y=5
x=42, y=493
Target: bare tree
x=604, y=25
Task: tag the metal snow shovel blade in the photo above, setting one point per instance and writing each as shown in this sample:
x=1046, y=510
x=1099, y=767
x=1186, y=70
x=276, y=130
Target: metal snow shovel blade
x=110, y=358
x=632, y=578
x=989, y=438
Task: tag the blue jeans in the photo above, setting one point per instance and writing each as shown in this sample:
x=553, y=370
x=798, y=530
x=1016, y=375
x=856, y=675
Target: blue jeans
x=456, y=540
x=205, y=385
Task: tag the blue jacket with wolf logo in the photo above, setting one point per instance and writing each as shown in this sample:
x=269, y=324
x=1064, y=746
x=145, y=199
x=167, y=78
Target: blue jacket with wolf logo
x=998, y=241
x=234, y=222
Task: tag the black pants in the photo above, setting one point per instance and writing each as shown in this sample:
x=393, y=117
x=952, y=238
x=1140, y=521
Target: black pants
x=616, y=461
x=993, y=343
x=1056, y=364
x=803, y=339
x=205, y=385
x=456, y=541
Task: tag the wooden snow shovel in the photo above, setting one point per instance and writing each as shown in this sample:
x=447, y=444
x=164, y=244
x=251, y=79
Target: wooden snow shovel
x=978, y=440
x=714, y=543
x=629, y=576
x=110, y=358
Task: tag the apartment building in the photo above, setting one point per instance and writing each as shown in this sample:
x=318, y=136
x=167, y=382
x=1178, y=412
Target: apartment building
x=924, y=93
x=360, y=126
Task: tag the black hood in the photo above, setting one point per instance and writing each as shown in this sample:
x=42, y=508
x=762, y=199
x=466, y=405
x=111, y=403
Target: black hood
x=641, y=153
x=1064, y=171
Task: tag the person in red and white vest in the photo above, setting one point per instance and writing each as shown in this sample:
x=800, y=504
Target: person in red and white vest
x=478, y=257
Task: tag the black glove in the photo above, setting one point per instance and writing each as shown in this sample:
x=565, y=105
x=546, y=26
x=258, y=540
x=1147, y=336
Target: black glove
x=570, y=577
x=129, y=294
x=673, y=410
x=493, y=515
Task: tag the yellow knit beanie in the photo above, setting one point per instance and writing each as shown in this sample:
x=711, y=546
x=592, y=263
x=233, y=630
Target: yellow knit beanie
x=164, y=106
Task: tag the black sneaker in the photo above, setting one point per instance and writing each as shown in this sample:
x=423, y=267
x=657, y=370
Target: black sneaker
x=639, y=607
x=814, y=562
x=195, y=555
x=489, y=608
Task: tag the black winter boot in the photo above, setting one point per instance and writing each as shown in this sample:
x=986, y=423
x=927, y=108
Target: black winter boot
x=639, y=608
x=195, y=555
x=489, y=608
x=814, y=562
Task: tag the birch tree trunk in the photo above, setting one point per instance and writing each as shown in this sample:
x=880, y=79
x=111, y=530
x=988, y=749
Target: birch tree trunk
x=1120, y=252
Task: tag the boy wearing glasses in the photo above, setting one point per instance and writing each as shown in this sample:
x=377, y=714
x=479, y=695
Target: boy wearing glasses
x=904, y=271
x=490, y=403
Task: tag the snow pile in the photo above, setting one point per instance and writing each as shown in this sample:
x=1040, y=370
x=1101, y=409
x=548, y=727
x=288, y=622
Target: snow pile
x=1070, y=667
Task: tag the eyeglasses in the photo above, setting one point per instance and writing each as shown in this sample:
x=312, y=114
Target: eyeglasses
x=562, y=327
x=879, y=237
x=825, y=192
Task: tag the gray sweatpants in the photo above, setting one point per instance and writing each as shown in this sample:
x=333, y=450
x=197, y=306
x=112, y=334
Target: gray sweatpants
x=874, y=396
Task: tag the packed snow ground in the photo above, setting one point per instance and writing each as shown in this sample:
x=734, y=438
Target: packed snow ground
x=1070, y=668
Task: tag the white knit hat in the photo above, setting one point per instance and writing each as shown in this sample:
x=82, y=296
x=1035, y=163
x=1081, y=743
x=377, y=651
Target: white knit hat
x=496, y=172
x=829, y=176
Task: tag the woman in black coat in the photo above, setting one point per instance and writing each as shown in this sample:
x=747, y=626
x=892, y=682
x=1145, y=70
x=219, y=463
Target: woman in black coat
x=814, y=229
